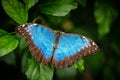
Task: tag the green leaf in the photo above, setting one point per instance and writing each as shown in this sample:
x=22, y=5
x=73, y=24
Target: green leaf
x=36, y=71
x=30, y=3
x=7, y=44
x=58, y=8
x=2, y=32
x=79, y=65
x=15, y=10
x=105, y=14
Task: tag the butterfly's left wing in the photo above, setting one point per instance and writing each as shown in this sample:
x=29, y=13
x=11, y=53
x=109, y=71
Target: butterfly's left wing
x=70, y=48
x=40, y=40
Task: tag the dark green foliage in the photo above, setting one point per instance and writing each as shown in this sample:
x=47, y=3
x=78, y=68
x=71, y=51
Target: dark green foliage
x=97, y=19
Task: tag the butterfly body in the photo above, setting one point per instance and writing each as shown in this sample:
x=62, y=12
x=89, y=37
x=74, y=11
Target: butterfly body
x=49, y=46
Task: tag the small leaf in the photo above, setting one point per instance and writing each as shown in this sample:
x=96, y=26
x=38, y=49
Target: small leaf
x=36, y=71
x=79, y=65
x=30, y=3
x=58, y=8
x=7, y=44
x=105, y=14
x=15, y=10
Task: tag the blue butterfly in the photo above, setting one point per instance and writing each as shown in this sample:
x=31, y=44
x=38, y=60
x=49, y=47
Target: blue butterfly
x=60, y=49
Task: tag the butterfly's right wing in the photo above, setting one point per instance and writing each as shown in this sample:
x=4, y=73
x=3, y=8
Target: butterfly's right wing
x=70, y=48
x=40, y=40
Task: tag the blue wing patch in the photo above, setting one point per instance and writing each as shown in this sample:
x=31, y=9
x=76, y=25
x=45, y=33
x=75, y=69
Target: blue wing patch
x=69, y=45
x=43, y=38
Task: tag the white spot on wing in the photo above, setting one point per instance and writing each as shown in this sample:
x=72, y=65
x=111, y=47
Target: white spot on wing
x=18, y=28
x=95, y=48
x=27, y=30
x=89, y=51
x=83, y=36
x=35, y=24
x=86, y=46
x=30, y=33
x=93, y=43
x=23, y=25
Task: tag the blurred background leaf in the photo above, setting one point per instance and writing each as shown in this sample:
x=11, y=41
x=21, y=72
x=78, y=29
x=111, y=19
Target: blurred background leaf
x=105, y=14
x=57, y=7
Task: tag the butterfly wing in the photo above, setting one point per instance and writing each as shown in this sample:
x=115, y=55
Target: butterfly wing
x=40, y=40
x=70, y=48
